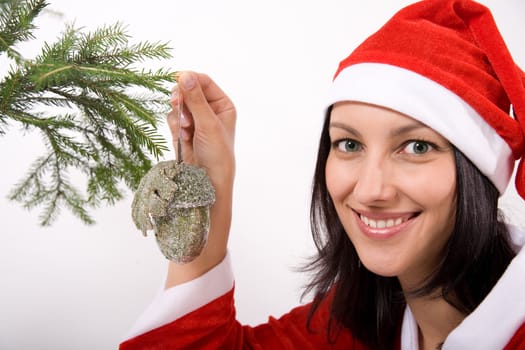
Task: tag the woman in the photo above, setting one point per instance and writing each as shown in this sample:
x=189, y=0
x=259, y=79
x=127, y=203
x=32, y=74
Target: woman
x=416, y=148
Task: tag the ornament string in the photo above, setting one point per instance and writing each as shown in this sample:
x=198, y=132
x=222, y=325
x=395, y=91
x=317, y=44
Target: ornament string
x=179, y=119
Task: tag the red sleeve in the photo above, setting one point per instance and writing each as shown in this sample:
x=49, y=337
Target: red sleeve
x=214, y=326
x=518, y=340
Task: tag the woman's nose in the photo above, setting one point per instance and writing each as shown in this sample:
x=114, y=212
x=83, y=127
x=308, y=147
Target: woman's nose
x=375, y=182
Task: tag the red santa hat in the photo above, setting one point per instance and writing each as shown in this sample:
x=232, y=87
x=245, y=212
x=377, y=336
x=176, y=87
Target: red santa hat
x=444, y=63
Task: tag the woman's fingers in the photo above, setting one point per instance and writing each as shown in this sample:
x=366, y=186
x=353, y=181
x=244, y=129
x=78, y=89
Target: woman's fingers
x=219, y=102
x=199, y=104
x=207, y=127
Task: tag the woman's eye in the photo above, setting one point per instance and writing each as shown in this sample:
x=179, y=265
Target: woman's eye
x=348, y=145
x=417, y=147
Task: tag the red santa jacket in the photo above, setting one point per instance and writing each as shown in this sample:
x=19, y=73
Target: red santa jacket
x=497, y=323
x=214, y=327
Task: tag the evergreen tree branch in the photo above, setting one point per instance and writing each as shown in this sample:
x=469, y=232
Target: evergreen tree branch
x=97, y=112
x=16, y=23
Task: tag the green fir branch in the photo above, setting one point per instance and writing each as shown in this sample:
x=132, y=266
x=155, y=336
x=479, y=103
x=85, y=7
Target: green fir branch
x=96, y=110
x=16, y=23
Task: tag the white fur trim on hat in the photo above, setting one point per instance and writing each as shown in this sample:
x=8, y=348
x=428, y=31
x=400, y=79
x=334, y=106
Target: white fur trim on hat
x=432, y=104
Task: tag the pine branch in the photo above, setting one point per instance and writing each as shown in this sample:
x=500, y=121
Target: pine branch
x=97, y=113
x=16, y=23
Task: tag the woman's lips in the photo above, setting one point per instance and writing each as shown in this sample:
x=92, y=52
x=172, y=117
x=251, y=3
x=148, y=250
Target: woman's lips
x=383, y=226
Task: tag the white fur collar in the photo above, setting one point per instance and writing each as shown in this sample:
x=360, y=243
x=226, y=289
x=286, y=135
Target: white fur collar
x=495, y=320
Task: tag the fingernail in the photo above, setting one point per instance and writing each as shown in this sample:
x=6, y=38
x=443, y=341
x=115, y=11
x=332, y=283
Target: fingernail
x=175, y=95
x=184, y=122
x=188, y=81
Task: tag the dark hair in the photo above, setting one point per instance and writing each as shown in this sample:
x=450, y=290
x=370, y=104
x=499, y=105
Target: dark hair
x=372, y=306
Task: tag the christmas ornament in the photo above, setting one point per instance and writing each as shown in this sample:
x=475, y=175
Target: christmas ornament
x=173, y=200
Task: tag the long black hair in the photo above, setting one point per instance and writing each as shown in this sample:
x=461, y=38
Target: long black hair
x=372, y=306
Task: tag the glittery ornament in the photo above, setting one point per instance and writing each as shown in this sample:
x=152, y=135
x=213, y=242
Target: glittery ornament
x=173, y=200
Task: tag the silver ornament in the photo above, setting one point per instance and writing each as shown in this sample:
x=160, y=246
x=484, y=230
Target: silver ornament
x=173, y=200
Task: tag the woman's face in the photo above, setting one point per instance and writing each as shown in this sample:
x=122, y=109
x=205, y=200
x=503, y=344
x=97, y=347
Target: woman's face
x=393, y=184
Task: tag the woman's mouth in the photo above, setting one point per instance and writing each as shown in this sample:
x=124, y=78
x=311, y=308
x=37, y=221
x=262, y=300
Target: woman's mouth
x=383, y=226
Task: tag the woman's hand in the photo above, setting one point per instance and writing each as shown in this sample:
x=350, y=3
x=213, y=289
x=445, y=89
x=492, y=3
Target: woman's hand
x=207, y=126
x=207, y=133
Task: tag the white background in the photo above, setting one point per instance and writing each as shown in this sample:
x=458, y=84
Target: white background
x=70, y=286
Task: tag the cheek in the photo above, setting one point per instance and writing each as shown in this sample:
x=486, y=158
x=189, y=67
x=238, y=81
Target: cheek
x=339, y=179
x=442, y=184
x=435, y=190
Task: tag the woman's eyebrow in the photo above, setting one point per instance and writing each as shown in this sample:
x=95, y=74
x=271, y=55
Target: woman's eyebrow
x=346, y=128
x=408, y=128
x=415, y=125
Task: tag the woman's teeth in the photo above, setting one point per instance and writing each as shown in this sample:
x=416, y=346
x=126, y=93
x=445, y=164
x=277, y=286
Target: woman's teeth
x=381, y=223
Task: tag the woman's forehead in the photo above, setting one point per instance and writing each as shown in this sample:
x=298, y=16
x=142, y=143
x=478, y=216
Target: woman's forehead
x=348, y=110
x=359, y=118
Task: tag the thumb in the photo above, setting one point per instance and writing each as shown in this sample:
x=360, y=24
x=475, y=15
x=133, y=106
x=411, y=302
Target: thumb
x=196, y=102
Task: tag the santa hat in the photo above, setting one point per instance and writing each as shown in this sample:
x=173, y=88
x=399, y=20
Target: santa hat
x=444, y=63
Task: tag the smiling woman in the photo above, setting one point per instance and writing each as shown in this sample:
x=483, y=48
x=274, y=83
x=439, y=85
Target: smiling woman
x=411, y=214
x=381, y=193
x=418, y=143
